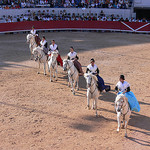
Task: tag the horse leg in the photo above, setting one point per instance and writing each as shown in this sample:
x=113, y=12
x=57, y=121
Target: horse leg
x=72, y=85
x=88, y=101
x=77, y=83
x=119, y=120
x=44, y=69
x=95, y=106
x=39, y=67
x=126, y=123
x=51, y=75
x=56, y=75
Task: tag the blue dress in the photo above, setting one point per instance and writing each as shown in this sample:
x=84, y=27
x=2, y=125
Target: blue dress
x=101, y=84
x=133, y=102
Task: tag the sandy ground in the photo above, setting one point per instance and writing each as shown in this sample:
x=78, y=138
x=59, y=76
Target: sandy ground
x=38, y=115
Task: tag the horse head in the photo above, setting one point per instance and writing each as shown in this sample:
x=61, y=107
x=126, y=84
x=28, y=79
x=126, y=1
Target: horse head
x=29, y=36
x=54, y=55
x=88, y=77
x=37, y=51
x=120, y=101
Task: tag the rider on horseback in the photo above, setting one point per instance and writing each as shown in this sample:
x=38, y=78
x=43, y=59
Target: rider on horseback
x=54, y=47
x=92, y=68
x=72, y=55
x=33, y=31
x=43, y=44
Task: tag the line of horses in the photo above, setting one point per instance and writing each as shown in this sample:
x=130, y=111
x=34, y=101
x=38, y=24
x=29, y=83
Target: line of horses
x=121, y=102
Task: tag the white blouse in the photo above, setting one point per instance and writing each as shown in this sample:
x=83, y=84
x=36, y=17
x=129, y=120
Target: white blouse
x=72, y=55
x=53, y=48
x=33, y=32
x=92, y=68
x=122, y=86
x=43, y=43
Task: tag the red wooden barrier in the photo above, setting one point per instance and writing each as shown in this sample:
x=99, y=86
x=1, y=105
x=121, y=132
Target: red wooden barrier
x=75, y=25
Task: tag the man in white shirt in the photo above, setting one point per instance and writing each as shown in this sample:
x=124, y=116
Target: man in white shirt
x=122, y=85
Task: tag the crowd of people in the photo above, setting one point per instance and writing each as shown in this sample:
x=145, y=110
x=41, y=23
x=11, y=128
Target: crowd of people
x=46, y=15
x=16, y=4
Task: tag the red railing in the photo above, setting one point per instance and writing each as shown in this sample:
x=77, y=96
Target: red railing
x=75, y=25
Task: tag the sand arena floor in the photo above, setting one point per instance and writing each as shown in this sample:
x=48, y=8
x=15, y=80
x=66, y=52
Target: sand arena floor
x=38, y=115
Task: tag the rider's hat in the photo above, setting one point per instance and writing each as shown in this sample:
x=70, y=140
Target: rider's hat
x=122, y=77
x=92, y=60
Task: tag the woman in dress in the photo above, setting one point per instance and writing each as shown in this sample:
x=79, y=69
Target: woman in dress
x=72, y=55
x=123, y=87
x=92, y=68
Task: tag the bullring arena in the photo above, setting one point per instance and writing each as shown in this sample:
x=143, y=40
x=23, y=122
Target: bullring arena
x=36, y=114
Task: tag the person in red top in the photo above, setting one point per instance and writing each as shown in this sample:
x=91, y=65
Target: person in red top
x=54, y=47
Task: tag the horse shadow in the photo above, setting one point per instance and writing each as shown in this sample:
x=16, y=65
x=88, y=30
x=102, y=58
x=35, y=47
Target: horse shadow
x=108, y=96
x=140, y=121
x=139, y=141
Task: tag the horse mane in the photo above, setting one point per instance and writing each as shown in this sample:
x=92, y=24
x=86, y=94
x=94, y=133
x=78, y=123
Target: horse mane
x=119, y=97
x=93, y=76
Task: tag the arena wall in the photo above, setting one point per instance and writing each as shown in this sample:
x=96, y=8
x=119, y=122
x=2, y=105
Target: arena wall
x=137, y=27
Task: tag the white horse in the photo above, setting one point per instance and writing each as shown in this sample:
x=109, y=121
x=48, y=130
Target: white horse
x=52, y=65
x=73, y=74
x=92, y=90
x=123, y=111
x=32, y=43
x=41, y=58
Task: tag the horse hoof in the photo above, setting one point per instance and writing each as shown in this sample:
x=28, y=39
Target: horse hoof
x=51, y=80
x=125, y=135
x=117, y=130
x=73, y=93
x=122, y=127
x=44, y=74
x=38, y=73
x=56, y=80
x=88, y=107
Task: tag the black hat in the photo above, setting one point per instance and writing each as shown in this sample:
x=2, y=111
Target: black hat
x=71, y=47
x=92, y=60
x=44, y=37
x=122, y=77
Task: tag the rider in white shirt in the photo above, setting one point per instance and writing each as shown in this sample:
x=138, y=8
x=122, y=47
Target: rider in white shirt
x=72, y=55
x=92, y=68
x=33, y=31
x=122, y=85
x=43, y=44
x=54, y=47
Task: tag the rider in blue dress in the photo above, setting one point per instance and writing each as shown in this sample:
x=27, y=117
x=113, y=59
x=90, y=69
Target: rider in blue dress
x=123, y=87
x=92, y=68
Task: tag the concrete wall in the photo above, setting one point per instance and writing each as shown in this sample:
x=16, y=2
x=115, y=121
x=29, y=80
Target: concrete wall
x=125, y=13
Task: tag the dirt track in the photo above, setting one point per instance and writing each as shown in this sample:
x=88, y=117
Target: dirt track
x=38, y=115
